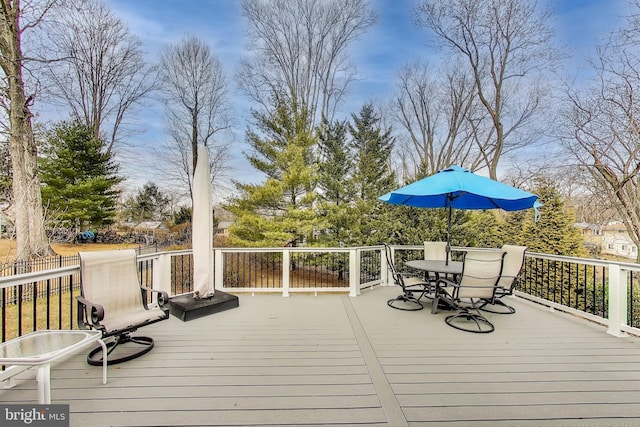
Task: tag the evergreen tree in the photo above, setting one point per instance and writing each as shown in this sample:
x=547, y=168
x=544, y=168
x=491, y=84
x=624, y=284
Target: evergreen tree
x=79, y=178
x=409, y=225
x=183, y=215
x=554, y=233
x=334, y=185
x=335, y=164
x=280, y=211
x=149, y=204
x=371, y=148
x=479, y=229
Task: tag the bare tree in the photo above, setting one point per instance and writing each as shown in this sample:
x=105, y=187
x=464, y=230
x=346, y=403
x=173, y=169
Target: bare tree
x=432, y=107
x=27, y=200
x=101, y=73
x=507, y=47
x=196, y=101
x=300, y=52
x=602, y=127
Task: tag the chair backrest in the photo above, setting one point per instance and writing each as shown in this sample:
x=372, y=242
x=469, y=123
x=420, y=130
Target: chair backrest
x=110, y=278
x=390, y=265
x=511, y=266
x=480, y=274
x=435, y=251
x=397, y=277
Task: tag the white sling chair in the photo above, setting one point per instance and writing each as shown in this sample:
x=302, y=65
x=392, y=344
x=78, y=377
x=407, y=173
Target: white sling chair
x=511, y=267
x=112, y=301
x=478, y=282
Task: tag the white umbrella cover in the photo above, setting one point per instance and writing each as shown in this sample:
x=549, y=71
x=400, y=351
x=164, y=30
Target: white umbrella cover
x=202, y=227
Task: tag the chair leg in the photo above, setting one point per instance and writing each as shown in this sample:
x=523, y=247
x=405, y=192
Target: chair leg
x=141, y=345
x=470, y=322
x=491, y=307
x=430, y=291
x=441, y=300
x=405, y=302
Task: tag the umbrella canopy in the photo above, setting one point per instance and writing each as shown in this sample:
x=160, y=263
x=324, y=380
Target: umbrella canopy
x=460, y=188
x=202, y=227
x=456, y=187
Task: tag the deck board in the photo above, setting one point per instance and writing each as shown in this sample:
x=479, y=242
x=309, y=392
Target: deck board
x=334, y=360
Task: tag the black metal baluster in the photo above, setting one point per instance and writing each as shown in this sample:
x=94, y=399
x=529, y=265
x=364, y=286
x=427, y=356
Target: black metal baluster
x=60, y=291
x=48, y=303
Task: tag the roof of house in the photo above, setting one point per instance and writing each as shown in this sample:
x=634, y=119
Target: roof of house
x=150, y=225
x=587, y=226
x=224, y=224
x=615, y=225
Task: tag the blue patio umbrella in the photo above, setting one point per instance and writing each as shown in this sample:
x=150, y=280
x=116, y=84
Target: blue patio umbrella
x=456, y=187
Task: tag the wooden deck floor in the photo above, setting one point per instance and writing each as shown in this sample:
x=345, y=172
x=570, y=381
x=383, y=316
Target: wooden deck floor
x=335, y=360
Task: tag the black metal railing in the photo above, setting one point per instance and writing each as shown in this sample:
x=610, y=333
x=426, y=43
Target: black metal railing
x=319, y=270
x=370, y=265
x=253, y=269
x=633, y=314
x=306, y=269
x=572, y=284
x=181, y=274
x=47, y=304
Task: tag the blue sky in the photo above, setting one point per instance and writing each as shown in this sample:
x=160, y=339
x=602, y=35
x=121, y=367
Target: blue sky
x=378, y=56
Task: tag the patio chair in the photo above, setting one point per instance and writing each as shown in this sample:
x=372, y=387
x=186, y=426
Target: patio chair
x=478, y=282
x=410, y=285
x=113, y=302
x=511, y=267
x=435, y=251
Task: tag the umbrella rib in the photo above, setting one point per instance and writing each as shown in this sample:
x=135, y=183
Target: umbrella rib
x=451, y=198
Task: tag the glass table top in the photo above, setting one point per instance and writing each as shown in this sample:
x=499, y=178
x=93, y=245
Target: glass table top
x=43, y=346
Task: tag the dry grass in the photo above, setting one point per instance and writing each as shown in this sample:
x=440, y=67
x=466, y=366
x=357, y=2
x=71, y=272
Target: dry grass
x=61, y=313
x=65, y=249
x=7, y=250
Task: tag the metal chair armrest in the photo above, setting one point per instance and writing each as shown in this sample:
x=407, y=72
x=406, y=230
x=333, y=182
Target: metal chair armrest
x=162, y=297
x=443, y=283
x=89, y=314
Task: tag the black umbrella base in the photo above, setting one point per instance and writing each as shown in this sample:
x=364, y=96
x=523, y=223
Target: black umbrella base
x=186, y=308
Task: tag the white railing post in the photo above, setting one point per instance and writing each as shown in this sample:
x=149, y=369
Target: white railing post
x=354, y=273
x=162, y=273
x=617, y=300
x=387, y=272
x=218, y=269
x=286, y=265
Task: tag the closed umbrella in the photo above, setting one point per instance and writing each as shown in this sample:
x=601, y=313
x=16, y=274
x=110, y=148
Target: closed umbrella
x=202, y=227
x=456, y=187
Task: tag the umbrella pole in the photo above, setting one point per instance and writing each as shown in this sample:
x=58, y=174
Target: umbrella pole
x=448, y=248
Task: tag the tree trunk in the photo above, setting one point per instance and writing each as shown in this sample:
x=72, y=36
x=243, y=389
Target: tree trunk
x=27, y=208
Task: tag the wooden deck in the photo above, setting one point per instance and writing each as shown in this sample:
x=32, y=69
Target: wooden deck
x=335, y=360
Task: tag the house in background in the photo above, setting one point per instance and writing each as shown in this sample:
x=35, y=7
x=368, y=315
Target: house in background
x=616, y=241
x=223, y=228
x=150, y=230
x=593, y=237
